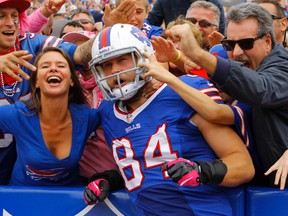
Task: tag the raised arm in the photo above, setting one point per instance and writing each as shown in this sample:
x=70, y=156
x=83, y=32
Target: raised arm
x=50, y=7
x=35, y=22
x=165, y=51
x=204, y=105
x=82, y=54
x=189, y=46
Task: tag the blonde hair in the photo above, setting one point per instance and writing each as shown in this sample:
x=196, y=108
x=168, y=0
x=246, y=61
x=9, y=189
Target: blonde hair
x=146, y=2
x=195, y=31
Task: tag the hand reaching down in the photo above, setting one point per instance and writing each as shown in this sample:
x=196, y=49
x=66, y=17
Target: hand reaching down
x=96, y=190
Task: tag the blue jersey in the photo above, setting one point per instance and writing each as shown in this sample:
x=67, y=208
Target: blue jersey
x=158, y=131
x=242, y=126
x=150, y=30
x=242, y=118
x=33, y=43
x=35, y=164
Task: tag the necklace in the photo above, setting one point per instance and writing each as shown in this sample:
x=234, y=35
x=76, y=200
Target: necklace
x=9, y=92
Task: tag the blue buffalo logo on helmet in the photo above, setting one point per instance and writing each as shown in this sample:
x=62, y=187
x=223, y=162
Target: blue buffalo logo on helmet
x=141, y=36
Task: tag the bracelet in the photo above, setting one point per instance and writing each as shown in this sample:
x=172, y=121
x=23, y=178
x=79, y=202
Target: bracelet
x=178, y=57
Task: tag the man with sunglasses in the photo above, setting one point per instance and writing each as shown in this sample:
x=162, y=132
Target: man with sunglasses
x=206, y=17
x=279, y=18
x=168, y=10
x=262, y=83
x=85, y=18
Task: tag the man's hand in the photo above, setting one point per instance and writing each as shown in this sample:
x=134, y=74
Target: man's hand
x=155, y=69
x=215, y=38
x=190, y=65
x=122, y=14
x=281, y=168
x=184, y=172
x=165, y=50
x=51, y=7
x=96, y=190
x=11, y=62
x=187, y=43
x=151, y=87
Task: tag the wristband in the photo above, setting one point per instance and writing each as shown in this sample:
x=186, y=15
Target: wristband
x=178, y=57
x=212, y=172
x=112, y=176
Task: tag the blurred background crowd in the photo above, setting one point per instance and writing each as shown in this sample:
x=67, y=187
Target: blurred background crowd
x=98, y=5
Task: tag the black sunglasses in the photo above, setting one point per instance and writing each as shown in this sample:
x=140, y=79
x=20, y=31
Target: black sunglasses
x=245, y=44
x=202, y=23
x=275, y=16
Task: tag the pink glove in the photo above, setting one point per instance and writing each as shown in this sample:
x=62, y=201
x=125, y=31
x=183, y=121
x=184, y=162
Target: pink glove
x=96, y=190
x=184, y=172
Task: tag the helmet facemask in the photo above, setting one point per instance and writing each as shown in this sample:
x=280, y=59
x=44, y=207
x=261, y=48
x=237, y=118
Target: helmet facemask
x=113, y=42
x=129, y=89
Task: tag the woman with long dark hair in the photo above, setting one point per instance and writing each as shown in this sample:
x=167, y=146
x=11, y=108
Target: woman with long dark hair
x=52, y=127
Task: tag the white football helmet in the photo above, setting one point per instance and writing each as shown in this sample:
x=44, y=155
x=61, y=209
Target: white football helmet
x=115, y=41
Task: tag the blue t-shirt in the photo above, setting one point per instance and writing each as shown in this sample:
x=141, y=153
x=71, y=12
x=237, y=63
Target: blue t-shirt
x=33, y=43
x=35, y=164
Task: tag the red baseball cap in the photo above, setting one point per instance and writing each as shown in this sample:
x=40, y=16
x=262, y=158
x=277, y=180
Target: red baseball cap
x=20, y=5
x=71, y=36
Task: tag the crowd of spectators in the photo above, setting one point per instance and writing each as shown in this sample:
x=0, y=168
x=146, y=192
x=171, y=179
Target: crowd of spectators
x=246, y=66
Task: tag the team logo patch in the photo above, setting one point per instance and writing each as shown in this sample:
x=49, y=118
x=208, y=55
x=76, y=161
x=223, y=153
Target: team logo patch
x=52, y=174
